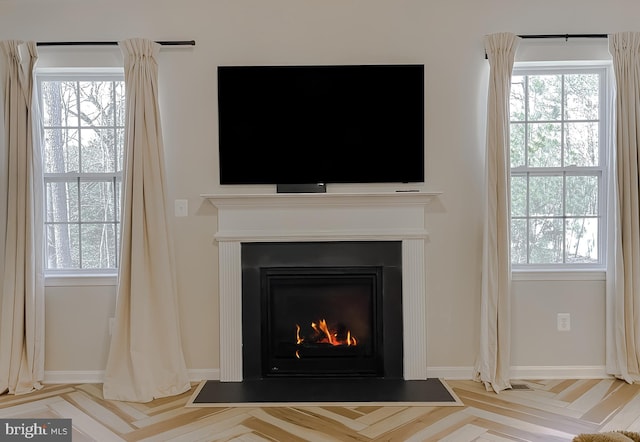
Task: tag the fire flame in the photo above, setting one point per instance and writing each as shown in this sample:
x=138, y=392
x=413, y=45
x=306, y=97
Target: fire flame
x=298, y=339
x=324, y=335
x=324, y=330
x=351, y=340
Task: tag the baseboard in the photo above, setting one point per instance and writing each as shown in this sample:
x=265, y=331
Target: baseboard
x=74, y=377
x=560, y=372
x=451, y=373
x=196, y=375
x=97, y=376
x=527, y=372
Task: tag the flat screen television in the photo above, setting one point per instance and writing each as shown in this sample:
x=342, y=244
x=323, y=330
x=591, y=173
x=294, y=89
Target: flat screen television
x=321, y=124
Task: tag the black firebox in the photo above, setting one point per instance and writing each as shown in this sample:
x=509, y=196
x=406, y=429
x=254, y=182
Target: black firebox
x=322, y=309
x=321, y=321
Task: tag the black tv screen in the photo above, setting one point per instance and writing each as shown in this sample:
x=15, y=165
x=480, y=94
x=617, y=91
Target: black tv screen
x=321, y=124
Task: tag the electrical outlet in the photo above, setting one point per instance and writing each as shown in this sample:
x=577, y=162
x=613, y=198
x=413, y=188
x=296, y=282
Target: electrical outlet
x=564, y=321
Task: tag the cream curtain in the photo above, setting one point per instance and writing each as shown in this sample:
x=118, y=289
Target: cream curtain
x=22, y=303
x=145, y=358
x=494, y=356
x=623, y=275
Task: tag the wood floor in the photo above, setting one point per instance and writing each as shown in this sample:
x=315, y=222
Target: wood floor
x=552, y=410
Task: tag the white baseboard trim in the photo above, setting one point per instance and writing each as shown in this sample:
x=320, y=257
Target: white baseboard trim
x=97, y=376
x=196, y=375
x=527, y=372
x=560, y=372
x=451, y=373
x=74, y=377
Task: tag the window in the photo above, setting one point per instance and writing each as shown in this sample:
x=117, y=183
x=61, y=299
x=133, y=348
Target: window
x=558, y=166
x=83, y=122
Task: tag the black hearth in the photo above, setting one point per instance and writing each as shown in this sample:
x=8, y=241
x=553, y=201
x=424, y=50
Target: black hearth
x=322, y=309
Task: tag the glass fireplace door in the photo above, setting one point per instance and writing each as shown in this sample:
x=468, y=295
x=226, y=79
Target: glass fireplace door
x=321, y=321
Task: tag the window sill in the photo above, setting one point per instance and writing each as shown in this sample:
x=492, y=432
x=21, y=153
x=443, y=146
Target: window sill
x=80, y=280
x=558, y=275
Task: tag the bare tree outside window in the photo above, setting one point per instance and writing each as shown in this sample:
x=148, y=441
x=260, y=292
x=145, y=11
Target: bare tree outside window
x=83, y=119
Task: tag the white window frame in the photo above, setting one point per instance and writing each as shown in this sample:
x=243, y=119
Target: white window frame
x=79, y=277
x=577, y=270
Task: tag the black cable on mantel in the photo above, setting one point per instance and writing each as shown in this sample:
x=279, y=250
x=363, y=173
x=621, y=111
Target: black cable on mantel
x=565, y=36
x=111, y=43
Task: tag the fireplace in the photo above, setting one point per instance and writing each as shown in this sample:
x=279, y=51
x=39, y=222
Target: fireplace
x=322, y=309
x=247, y=219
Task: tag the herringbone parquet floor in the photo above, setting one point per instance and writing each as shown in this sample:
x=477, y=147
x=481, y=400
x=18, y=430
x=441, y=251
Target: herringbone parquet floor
x=552, y=410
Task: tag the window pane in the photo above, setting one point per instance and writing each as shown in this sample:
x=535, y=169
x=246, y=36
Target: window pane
x=546, y=240
x=517, y=98
x=582, y=100
x=545, y=196
x=517, y=145
x=582, y=195
x=519, y=241
x=118, y=200
x=96, y=103
x=544, y=148
x=120, y=103
x=62, y=246
x=582, y=240
x=117, y=247
x=98, y=246
x=518, y=195
x=98, y=150
x=120, y=148
x=61, y=153
x=59, y=103
x=62, y=201
x=582, y=144
x=545, y=97
x=98, y=201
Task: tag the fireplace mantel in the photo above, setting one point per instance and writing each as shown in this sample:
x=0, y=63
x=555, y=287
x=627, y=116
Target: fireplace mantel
x=391, y=216
x=321, y=216
x=275, y=199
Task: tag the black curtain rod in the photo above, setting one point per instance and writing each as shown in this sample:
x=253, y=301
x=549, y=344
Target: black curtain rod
x=111, y=43
x=565, y=36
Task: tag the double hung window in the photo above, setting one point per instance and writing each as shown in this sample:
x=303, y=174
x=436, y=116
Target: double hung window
x=83, y=121
x=559, y=131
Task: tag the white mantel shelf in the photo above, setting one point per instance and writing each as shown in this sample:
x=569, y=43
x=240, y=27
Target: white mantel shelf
x=277, y=199
x=321, y=216
x=397, y=216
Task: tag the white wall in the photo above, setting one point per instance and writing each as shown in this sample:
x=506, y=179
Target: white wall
x=446, y=36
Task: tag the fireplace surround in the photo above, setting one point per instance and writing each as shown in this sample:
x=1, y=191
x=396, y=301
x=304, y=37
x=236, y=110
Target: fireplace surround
x=331, y=217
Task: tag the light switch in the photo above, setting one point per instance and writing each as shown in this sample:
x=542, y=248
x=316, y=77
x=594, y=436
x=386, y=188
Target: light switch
x=181, y=207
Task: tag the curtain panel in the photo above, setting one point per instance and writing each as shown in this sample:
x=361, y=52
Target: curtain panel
x=494, y=357
x=22, y=296
x=145, y=357
x=623, y=270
